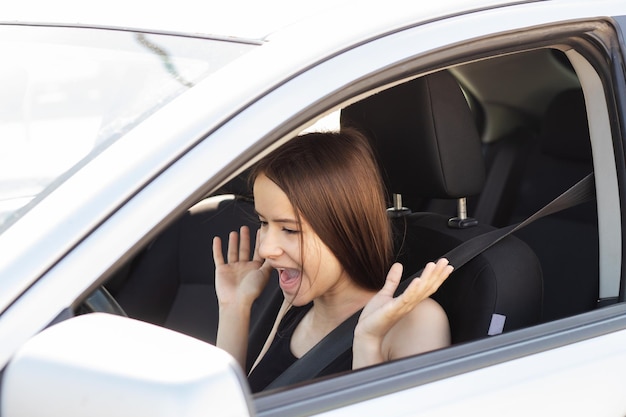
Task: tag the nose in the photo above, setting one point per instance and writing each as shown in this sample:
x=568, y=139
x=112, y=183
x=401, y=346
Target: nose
x=269, y=247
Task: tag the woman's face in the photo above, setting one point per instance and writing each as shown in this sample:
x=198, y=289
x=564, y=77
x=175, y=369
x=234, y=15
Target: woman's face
x=304, y=275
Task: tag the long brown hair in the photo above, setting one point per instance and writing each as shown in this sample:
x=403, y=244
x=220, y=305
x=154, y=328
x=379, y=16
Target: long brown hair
x=332, y=181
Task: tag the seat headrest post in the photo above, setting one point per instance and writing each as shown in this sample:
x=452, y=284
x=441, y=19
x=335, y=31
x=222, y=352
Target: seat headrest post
x=398, y=210
x=462, y=221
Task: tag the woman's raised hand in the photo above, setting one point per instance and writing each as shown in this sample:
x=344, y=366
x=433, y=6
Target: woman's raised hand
x=384, y=310
x=239, y=280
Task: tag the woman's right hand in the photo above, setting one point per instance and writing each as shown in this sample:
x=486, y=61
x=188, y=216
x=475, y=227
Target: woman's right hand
x=238, y=280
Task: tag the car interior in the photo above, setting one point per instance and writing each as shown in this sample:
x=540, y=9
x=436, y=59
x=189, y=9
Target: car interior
x=463, y=151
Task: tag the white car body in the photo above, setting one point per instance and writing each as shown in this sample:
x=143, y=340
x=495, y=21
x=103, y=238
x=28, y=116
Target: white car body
x=306, y=64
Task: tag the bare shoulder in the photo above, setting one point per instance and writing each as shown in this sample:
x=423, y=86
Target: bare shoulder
x=425, y=328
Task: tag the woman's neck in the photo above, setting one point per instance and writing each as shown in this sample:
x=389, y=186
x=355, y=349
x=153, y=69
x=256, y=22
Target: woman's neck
x=331, y=309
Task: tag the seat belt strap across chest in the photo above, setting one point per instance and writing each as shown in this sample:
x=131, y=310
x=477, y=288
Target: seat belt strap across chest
x=340, y=339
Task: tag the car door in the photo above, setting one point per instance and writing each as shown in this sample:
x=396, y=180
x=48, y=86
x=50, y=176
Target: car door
x=572, y=365
x=554, y=367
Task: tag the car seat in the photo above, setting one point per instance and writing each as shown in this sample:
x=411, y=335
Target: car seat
x=428, y=147
x=565, y=242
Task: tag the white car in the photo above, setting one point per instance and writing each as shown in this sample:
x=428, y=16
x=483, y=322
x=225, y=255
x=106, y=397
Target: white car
x=126, y=129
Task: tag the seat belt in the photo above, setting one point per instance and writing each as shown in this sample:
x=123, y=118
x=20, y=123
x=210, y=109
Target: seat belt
x=309, y=365
x=340, y=339
x=579, y=193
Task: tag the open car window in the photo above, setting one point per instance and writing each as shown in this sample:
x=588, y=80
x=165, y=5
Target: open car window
x=535, y=144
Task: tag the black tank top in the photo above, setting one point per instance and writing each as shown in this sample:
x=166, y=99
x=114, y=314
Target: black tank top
x=279, y=357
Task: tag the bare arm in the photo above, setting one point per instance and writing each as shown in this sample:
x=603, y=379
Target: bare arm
x=238, y=282
x=390, y=327
x=425, y=328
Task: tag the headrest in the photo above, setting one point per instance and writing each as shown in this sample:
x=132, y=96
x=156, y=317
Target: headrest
x=424, y=136
x=565, y=132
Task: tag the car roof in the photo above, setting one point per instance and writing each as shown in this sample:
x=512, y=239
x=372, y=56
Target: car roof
x=246, y=19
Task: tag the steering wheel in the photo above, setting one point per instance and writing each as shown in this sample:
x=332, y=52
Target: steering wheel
x=102, y=301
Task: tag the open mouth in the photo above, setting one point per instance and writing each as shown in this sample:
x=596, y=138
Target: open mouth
x=289, y=279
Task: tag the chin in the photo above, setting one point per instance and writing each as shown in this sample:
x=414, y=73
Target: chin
x=296, y=300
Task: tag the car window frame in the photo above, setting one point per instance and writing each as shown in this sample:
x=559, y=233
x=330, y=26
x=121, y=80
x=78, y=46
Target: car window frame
x=617, y=51
x=355, y=387
x=311, y=398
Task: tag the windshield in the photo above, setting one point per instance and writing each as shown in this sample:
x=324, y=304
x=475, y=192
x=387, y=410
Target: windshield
x=66, y=93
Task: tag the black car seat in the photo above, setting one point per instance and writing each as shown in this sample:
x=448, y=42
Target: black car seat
x=505, y=159
x=565, y=242
x=428, y=147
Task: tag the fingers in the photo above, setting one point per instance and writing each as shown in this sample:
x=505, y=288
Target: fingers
x=433, y=275
x=393, y=279
x=437, y=272
x=233, y=247
x=266, y=268
x=257, y=243
x=218, y=256
x=384, y=310
x=238, y=247
x=244, y=245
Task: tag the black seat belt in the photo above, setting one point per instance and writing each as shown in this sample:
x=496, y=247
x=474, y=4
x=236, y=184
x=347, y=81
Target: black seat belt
x=309, y=365
x=340, y=339
x=579, y=193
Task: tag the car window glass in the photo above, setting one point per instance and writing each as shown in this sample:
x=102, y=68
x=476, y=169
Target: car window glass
x=69, y=92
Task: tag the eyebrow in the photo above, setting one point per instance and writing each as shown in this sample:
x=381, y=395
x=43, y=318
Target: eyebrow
x=290, y=221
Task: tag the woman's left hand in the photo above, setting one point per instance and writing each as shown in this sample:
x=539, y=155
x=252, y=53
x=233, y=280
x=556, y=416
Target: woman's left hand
x=384, y=310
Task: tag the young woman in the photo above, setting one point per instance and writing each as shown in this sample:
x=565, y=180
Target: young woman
x=324, y=228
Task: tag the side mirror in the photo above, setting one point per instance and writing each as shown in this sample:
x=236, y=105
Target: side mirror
x=105, y=365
